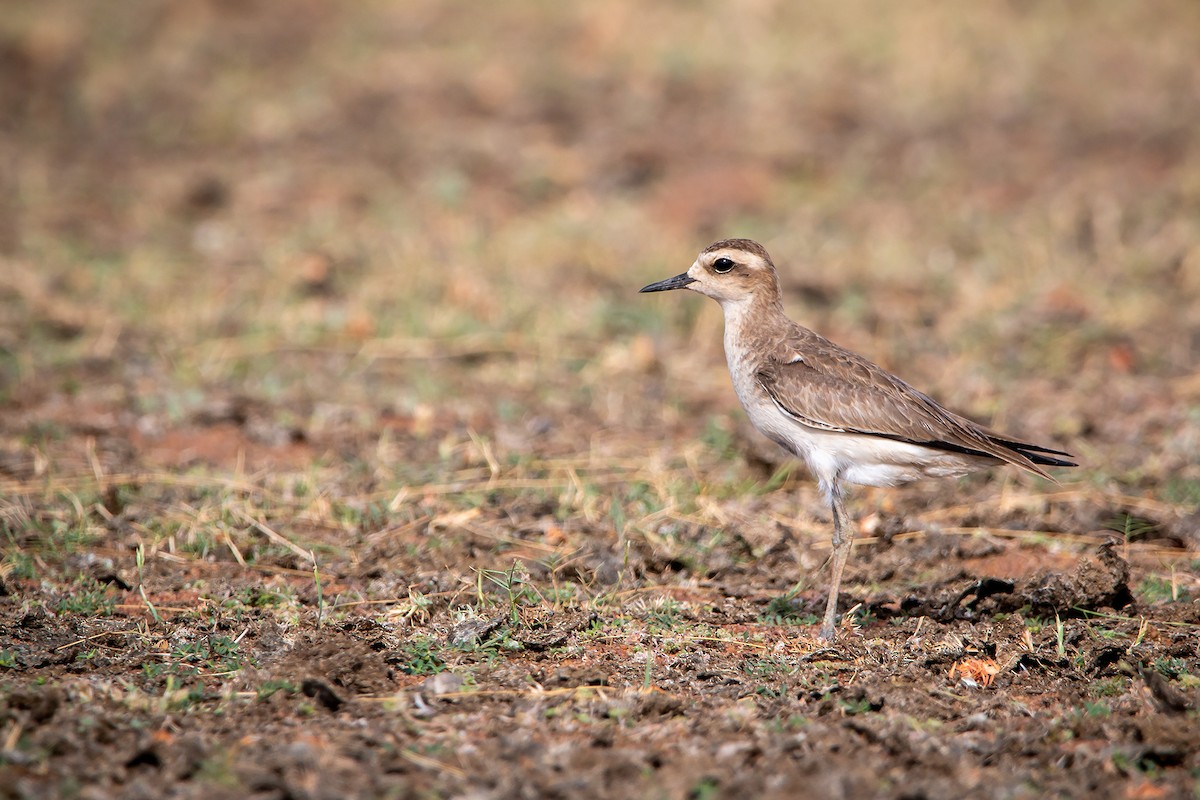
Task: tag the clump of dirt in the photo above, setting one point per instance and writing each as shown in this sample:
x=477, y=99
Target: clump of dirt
x=541, y=631
x=337, y=658
x=1098, y=582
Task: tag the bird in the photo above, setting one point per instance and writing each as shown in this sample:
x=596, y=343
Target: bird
x=848, y=419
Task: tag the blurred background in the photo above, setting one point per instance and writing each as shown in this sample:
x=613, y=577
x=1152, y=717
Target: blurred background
x=324, y=377
x=299, y=219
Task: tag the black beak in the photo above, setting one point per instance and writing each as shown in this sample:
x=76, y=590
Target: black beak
x=678, y=282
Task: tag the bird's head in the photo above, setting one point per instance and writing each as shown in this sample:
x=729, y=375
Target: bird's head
x=732, y=271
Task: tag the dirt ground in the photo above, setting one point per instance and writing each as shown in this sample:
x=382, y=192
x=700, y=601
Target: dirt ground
x=339, y=456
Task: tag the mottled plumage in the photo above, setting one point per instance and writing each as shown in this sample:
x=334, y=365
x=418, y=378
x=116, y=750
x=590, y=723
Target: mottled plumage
x=849, y=419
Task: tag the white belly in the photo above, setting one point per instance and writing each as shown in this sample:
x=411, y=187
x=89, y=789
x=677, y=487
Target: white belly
x=858, y=458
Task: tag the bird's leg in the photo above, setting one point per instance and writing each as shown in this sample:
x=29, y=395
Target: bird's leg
x=843, y=536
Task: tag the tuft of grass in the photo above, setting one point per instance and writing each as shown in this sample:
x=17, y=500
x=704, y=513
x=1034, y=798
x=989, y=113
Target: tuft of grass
x=719, y=439
x=420, y=657
x=269, y=688
x=784, y=610
x=777, y=479
x=663, y=613
x=263, y=597
x=1170, y=668
x=854, y=707
x=217, y=770
x=87, y=597
x=513, y=582
x=414, y=609
x=1189, y=682
x=1131, y=527
x=705, y=789
x=1156, y=589
x=18, y=565
x=769, y=667
x=211, y=656
x=1109, y=687
x=1182, y=491
x=789, y=724
x=638, y=499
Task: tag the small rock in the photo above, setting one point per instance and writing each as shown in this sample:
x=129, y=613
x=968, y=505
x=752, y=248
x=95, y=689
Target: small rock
x=473, y=631
x=442, y=683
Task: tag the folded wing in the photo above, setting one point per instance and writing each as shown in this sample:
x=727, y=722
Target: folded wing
x=829, y=388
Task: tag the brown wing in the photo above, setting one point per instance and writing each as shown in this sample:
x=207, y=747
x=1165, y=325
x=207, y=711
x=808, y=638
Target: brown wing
x=830, y=388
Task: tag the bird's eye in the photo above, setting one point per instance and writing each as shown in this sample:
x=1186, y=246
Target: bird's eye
x=723, y=265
